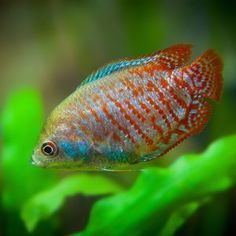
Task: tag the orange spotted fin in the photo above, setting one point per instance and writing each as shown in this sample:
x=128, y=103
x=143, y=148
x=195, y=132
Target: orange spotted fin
x=206, y=75
x=175, y=56
x=206, y=78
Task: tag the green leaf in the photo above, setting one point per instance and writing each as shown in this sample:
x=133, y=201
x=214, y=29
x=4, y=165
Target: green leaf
x=47, y=202
x=178, y=217
x=162, y=199
x=21, y=122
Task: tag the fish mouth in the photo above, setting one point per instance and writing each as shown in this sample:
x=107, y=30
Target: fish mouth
x=35, y=162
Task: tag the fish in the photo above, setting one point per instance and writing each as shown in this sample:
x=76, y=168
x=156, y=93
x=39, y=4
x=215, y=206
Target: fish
x=131, y=111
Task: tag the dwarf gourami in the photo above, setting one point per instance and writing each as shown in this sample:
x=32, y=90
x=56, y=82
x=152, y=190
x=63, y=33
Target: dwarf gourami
x=131, y=111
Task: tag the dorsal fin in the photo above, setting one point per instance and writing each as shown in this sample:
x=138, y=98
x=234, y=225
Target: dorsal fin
x=169, y=58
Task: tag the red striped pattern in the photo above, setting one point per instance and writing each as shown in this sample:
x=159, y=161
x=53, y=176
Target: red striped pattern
x=181, y=83
x=161, y=112
x=173, y=93
x=135, y=111
x=163, y=100
x=116, y=123
x=146, y=138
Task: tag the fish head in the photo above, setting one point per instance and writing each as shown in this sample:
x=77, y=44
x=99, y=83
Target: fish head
x=61, y=145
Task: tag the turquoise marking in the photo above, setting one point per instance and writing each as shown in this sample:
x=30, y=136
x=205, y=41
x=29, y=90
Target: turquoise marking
x=83, y=148
x=68, y=148
x=114, y=154
x=75, y=150
x=114, y=67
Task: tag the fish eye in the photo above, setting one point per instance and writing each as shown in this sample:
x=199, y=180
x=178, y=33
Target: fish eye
x=49, y=148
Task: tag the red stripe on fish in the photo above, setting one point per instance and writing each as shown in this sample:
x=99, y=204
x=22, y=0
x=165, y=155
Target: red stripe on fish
x=139, y=131
x=161, y=112
x=116, y=123
x=135, y=111
x=163, y=100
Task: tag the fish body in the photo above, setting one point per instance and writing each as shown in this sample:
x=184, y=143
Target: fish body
x=131, y=111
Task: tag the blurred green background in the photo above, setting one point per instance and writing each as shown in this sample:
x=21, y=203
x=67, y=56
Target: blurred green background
x=47, y=48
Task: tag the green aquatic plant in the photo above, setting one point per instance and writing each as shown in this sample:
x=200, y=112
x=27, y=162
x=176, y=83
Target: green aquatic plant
x=163, y=198
x=44, y=204
x=21, y=121
x=159, y=201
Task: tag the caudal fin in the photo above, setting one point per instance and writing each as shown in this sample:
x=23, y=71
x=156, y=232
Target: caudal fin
x=206, y=75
